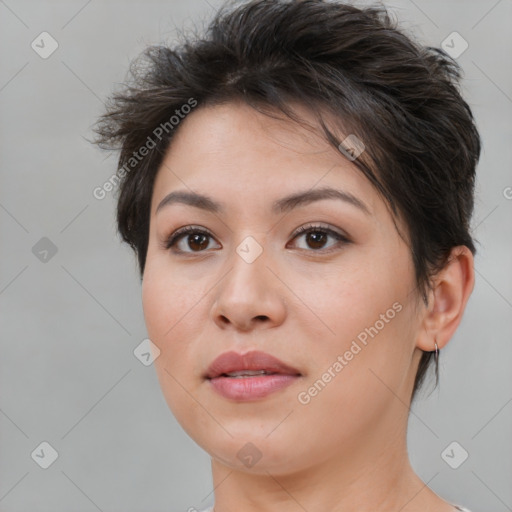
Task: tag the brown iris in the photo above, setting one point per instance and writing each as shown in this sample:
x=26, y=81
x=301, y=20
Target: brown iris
x=198, y=241
x=316, y=239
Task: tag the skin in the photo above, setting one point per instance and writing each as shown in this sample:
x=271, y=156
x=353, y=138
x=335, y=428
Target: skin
x=345, y=450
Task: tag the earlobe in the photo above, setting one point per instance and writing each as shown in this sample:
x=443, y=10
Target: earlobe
x=447, y=300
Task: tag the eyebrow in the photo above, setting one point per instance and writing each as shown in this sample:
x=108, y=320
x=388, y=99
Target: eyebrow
x=282, y=205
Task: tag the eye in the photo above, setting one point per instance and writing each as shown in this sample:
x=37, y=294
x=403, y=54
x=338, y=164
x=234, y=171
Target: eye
x=316, y=238
x=189, y=237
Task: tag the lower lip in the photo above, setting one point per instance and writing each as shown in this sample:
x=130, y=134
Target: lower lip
x=251, y=388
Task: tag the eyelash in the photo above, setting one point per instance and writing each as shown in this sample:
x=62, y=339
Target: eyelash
x=310, y=228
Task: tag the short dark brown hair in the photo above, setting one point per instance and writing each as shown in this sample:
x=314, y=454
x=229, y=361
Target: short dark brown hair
x=399, y=97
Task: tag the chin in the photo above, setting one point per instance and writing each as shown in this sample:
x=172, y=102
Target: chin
x=254, y=454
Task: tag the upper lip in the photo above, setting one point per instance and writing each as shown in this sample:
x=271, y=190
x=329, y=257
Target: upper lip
x=255, y=360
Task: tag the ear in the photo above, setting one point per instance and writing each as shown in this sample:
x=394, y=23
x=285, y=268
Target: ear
x=447, y=300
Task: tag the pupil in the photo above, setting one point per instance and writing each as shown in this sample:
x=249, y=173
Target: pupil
x=318, y=238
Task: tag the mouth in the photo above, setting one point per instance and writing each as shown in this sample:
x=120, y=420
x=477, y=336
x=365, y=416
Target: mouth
x=249, y=376
x=241, y=374
x=251, y=364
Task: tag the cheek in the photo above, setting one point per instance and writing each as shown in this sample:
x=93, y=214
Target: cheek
x=165, y=306
x=364, y=318
x=168, y=314
x=175, y=314
x=168, y=299
x=156, y=295
x=356, y=383
x=345, y=301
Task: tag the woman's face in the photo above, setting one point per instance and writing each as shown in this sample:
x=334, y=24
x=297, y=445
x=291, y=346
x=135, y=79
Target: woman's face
x=337, y=302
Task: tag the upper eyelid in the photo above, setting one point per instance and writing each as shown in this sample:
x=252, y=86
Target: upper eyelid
x=310, y=225
x=186, y=230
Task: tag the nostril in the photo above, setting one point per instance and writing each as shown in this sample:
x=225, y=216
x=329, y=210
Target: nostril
x=261, y=317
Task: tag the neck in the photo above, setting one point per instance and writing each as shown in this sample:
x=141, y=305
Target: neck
x=373, y=475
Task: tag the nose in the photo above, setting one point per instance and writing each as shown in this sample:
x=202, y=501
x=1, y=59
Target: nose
x=250, y=296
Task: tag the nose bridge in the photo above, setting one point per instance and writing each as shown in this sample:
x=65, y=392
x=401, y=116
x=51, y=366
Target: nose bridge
x=247, y=279
x=250, y=291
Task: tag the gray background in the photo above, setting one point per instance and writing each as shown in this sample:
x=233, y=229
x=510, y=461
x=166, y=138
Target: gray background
x=70, y=324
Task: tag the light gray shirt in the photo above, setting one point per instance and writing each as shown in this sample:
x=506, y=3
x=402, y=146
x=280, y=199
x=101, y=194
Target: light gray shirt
x=458, y=507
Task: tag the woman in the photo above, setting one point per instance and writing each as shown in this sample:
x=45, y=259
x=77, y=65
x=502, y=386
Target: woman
x=298, y=188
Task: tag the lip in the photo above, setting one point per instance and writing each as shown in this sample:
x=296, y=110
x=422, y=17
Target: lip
x=249, y=388
x=255, y=360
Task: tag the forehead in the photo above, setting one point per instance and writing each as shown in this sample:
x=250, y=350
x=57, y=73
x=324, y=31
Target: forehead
x=233, y=146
